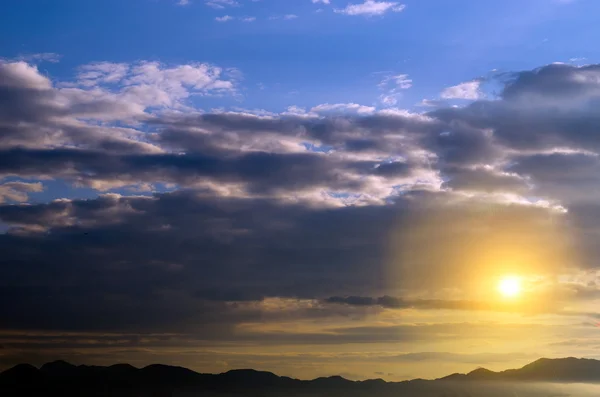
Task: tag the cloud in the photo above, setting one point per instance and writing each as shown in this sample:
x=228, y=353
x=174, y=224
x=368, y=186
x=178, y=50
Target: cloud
x=555, y=82
x=305, y=250
x=431, y=103
x=353, y=107
x=391, y=86
x=468, y=90
x=390, y=302
x=286, y=17
x=371, y=8
x=224, y=18
x=107, y=91
x=22, y=75
x=291, y=172
x=41, y=57
x=17, y=191
x=102, y=73
x=220, y=4
x=401, y=80
x=320, y=1
x=482, y=179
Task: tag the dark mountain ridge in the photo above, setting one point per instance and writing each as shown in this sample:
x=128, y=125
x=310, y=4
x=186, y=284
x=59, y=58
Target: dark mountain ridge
x=60, y=378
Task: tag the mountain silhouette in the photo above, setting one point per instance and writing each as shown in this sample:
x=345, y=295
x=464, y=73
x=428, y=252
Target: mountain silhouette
x=63, y=379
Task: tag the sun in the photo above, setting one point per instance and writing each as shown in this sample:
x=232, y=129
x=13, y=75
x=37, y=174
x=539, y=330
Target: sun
x=510, y=286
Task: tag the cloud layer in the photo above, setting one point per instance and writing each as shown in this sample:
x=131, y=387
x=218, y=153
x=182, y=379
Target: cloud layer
x=220, y=224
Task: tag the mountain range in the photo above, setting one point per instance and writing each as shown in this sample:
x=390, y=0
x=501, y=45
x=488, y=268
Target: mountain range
x=60, y=378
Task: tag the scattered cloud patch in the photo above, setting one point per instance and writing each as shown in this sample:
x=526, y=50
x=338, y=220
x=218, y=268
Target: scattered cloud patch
x=102, y=73
x=224, y=18
x=41, y=57
x=391, y=86
x=468, y=90
x=285, y=17
x=431, y=103
x=18, y=191
x=371, y=8
x=343, y=107
x=220, y=4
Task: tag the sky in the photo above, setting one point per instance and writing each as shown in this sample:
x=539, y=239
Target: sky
x=372, y=189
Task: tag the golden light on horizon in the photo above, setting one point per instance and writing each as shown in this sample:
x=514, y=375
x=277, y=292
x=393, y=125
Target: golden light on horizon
x=509, y=286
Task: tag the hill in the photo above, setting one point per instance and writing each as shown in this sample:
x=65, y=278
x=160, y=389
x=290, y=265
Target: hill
x=62, y=379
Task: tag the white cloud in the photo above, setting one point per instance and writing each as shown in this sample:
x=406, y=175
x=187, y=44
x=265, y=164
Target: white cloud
x=220, y=4
x=183, y=2
x=101, y=73
x=108, y=91
x=147, y=84
x=467, y=90
x=248, y=19
x=176, y=81
x=343, y=107
x=577, y=59
x=320, y=1
x=288, y=17
x=297, y=111
x=431, y=103
x=224, y=18
x=371, y=8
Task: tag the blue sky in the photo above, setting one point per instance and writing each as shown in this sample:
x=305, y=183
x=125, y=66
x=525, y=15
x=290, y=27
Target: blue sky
x=315, y=57
x=235, y=183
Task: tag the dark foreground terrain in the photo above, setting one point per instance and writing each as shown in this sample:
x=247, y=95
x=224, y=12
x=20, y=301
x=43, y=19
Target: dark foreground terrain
x=542, y=378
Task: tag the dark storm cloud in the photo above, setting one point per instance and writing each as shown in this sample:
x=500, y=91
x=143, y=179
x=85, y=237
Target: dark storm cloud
x=18, y=104
x=261, y=171
x=176, y=260
x=484, y=180
x=147, y=255
x=391, y=302
x=462, y=145
x=561, y=174
x=555, y=81
x=359, y=133
x=553, y=106
x=396, y=168
x=523, y=127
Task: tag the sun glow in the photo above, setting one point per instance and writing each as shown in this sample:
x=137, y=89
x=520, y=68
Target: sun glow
x=510, y=286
